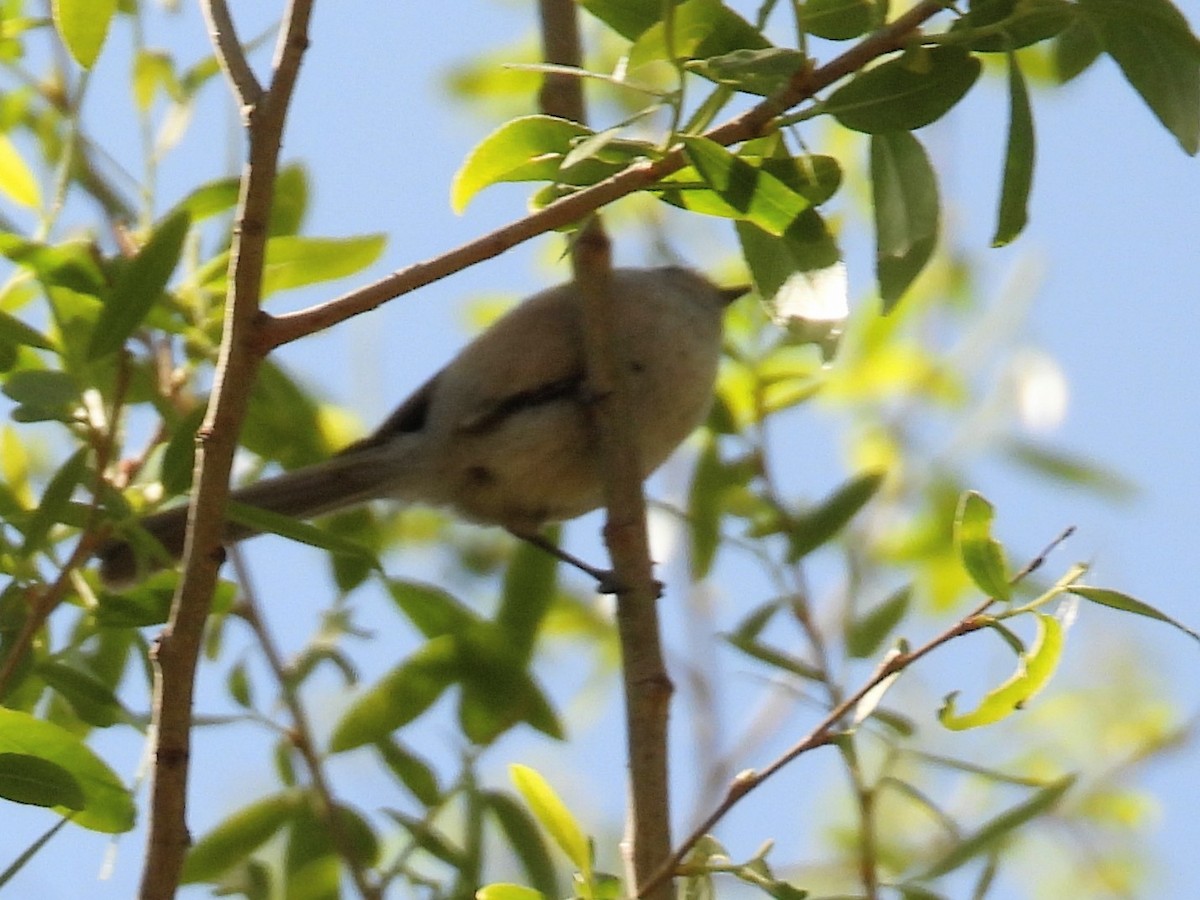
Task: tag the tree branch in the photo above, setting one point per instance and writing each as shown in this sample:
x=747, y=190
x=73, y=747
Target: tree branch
x=230, y=55
x=178, y=647
x=803, y=86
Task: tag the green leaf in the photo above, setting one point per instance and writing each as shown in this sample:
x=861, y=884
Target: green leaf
x=525, y=149
x=710, y=479
x=91, y=699
x=838, y=20
x=763, y=72
x=1075, y=50
x=503, y=891
x=1151, y=42
x=1005, y=25
x=46, y=390
x=906, y=93
x=820, y=524
x=17, y=181
x=865, y=634
x=71, y=264
x=153, y=70
x=529, y=587
x=554, y=817
x=907, y=212
x=629, y=18
x=1034, y=670
x=108, y=806
x=999, y=828
x=1073, y=470
x=753, y=194
x=261, y=520
x=139, y=285
x=700, y=29
x=179, y=457
x=291, y=201
x=434, y=611
x=981, y=555
x=294, y=261
x=239, y=835
x=416, y=774
x=211, y=199
x=35, y=781
x=15, y=332
x=82, y=25
x=1125, y=603
x=399, y=696
x=1018, y=159
x=497, y=690
x=522, y=834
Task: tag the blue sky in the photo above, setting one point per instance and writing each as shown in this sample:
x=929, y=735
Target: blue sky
x=1114, y=230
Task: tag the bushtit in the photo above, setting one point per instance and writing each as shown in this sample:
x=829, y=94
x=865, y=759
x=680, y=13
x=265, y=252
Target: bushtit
x=502, y=435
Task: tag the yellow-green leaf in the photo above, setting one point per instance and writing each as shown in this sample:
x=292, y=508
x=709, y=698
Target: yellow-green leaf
x=82, y=25
x=1033, y=673
x=1117, y=600
x=501, y=891
x=554, y=817
x=16, y=179
x=239, y=835
x=981, y=555
x=752, y=194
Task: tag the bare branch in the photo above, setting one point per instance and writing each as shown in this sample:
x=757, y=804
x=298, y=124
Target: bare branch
x=178, y=647
x=230, y=54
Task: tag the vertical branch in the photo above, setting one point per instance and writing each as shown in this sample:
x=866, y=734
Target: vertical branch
x=647, y=686
x=178, y=647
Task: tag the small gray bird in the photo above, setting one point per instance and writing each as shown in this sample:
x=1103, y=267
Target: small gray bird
x=502, y=434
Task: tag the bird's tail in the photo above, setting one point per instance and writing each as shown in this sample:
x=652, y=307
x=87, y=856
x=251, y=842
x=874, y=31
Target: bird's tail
x=343, y=481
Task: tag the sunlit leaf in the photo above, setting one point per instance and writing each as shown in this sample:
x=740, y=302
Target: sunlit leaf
x=82, y=25
x=762, y=72
x=757, y=196
x=1033, y=673
x=838, y=20
x=1155, y=48
x=36, y=781
x=502, y=891
x=553, y=816
x=700, y=29
x=907, y=212
x=108, y=806
x=17, y=181
x=522, y=834
x=1018, y=160
x=905, y=93
x=982, y=556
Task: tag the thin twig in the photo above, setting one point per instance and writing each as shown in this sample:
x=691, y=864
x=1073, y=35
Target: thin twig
x=828, y=730
x=230, y=54
x=178, y=647
x=289, y=327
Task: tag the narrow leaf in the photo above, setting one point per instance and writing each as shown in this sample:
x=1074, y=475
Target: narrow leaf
x=139, y=285
x=1033, y=673
x=823, y=522
x=907, y=212
x=757, y=196
x=1125, y=603
x=999, y=828
x=17, y=181
x=264, y=521
x=981, y=555
x=239, y=835
x=865, y=633
x=1018, y=159
x=522, y=834
x=553, y=816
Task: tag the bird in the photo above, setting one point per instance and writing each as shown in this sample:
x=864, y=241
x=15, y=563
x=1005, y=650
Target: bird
x=502, y=435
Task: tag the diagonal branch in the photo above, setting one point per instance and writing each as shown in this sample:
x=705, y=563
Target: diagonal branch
x=803, y=86
x=177, y=650
x=230, y=55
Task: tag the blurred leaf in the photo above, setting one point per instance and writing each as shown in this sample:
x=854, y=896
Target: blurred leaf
x=82, y=25
x=311, y=866
x=522, y=835
x=283, y=423
x=838, y=20
x=211, y=199
x=53, y=505
x=981, y=555
x=497, y=690
x=1158, y=53
x=775, y=658
x=524, y=149
x=824, y=521
x=1075, y=49
x=35, y=781
x=17, y=181
x=239, y=835
x=1000, y=828
x=1018, y=160
x=1125, y=603
x=153, y=70
x=529, y=587
x=1034, y=670
x=90, y=698
x=867, y=632
x=139, y=285
x=108, y=806
x=904, y=188
x=261, y=520
x=294, y=261
x=14, y=331
x=502, y=891
x=179, y=456
x=1006, y=25
x=629, y=18
x=430, y=839
x=399, y=696
x=906, y=93
x=755, y=195
x=700, y=29
x=416, y=774
x=1072, y=469
x=434, y=611
x=71, y=264
x=554, y=817
x=42, y=393
x=762, y=72
x=291, y=202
